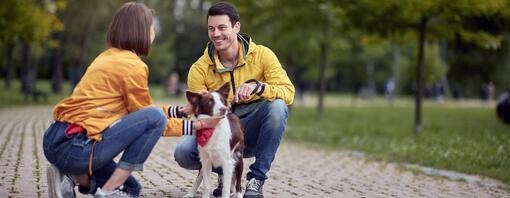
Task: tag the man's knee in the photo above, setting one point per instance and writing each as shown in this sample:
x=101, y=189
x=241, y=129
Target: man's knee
x=277, y=111
x=185, y=155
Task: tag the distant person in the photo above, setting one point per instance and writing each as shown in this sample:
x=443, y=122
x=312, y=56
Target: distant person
x=110, y=112
x=490, y=91
x=484, y=92
x=456, y=93
x=503, y=107
x=174, y=87
x=389, y=91
x=261, y=91
x=438, y=91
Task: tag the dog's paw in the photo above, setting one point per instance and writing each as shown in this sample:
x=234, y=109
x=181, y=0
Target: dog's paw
x=189, y=195
x=237, y=195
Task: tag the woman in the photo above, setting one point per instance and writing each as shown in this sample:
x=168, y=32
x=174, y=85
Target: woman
x=110, y=111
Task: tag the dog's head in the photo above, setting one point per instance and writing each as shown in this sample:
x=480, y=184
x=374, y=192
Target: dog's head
x=211, y=103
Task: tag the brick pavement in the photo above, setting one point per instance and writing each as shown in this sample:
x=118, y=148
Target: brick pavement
x=298, y=171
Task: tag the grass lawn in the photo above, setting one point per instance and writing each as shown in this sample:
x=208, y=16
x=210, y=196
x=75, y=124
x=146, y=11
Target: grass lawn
x=13, y=97
x=459, y=136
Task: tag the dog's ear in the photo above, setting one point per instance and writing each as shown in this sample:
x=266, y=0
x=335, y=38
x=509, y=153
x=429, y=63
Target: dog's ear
x=193, y=98
x=224, y=89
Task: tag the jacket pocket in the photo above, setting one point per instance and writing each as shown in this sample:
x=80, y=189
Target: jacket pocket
x=75, y=158
x=55, y=140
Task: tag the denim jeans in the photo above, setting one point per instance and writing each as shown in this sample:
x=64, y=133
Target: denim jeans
x=264, y=128
x=135, y=135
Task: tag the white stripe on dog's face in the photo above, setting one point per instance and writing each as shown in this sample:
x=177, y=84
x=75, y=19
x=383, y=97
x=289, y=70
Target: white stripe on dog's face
x=218, y=104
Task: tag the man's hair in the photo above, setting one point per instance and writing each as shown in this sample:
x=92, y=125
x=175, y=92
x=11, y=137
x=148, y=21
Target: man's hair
x=224, y=8
x=130, y=28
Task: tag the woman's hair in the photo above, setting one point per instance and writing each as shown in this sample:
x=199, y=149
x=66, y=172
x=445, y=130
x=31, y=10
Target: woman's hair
x=130, y=28
x=224, y=8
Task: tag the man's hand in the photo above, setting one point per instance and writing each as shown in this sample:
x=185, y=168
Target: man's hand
x=203, y=92
x=244, y=92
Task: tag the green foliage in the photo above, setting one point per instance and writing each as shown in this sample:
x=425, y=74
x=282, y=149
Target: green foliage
x=160, y=61
x=476, y=22
x=84, y=37
x=462, y=137
x=434, y=67
x=357, y=33
x=295, y=31
x=186, y=29
x=28, y=21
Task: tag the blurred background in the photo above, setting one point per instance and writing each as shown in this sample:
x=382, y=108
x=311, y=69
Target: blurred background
x=363, y=68
x=349, y=46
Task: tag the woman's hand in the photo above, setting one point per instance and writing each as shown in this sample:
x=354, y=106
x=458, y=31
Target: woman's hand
x=187, y=109
x=209, y=122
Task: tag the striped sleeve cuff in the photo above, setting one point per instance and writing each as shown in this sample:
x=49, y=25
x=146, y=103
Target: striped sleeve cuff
x=173, y=112
x=187, y=127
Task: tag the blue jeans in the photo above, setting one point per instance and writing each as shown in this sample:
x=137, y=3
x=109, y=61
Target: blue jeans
x=135, y=135
x=264, y=127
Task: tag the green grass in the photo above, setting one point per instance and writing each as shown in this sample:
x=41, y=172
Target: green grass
x=13, y=97
x=464, y=138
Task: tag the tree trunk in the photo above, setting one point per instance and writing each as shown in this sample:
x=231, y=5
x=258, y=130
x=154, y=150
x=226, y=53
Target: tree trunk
x=322, y=79
x=323, y=66
x=9, y=73
x=56, y=65
x=397, y=56
x=443, y=50
x=369, y=69
x=76, y=70
x=28, y=75
x=419, y=75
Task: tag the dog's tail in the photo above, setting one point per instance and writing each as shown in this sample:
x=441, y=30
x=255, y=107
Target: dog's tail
x=233, y=152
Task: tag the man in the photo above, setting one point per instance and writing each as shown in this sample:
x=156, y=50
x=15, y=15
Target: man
x=261, y=91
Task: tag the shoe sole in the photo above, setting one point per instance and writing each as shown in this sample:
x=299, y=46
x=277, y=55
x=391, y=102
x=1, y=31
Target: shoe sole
x=53, y=177
x=253, y=196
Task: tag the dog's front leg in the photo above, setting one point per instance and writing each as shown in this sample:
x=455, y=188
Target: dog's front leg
x=228, y=167
x=236, y=179
x=206, y=174
x=196, y=184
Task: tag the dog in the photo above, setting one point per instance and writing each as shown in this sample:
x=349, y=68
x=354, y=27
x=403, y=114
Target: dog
x=226, y=144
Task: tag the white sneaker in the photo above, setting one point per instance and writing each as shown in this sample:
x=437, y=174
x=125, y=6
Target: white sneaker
x=59, y=185
x=117, y=193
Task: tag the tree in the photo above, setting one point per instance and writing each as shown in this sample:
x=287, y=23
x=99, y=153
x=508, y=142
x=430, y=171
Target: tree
x=56, y=50
x=428, y=19
x=190, y=32
x=28, y=22
x=302, y=34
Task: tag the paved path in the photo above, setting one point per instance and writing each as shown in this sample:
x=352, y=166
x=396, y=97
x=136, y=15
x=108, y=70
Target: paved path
x=297, y=172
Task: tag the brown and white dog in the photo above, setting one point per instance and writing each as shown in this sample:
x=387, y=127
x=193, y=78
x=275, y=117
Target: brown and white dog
x=219, y=147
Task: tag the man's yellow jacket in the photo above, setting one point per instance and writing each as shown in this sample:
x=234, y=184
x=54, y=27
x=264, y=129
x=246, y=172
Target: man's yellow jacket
x=255, y=62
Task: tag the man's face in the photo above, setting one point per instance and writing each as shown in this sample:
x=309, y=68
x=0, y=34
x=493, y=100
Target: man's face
x=221, y=32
